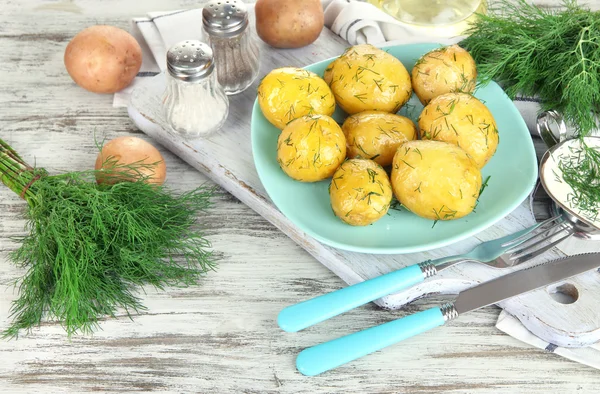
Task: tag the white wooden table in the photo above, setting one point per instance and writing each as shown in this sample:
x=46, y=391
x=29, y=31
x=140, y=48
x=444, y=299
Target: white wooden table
x=220, y=336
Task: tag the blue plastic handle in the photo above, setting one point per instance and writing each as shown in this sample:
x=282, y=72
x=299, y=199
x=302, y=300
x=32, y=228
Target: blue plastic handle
x=320, y=358
x=305, y=314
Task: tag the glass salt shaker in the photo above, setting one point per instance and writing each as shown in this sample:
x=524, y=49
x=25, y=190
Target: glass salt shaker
x=194, y=102
x=236, y=50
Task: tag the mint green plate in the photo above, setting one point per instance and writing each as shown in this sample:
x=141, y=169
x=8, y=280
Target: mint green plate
x=512, y=171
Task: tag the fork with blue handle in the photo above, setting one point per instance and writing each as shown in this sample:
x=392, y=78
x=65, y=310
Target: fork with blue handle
x=508, y=251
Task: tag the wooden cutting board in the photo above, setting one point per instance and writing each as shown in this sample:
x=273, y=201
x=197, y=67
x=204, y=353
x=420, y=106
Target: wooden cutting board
x=227, y=159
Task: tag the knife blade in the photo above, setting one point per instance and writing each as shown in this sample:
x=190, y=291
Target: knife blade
x=519, y=282
x=323, y=357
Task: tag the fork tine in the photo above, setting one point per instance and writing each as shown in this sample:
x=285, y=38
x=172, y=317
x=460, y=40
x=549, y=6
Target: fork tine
x=526, y=234
x=537, y=237
x=528, y=255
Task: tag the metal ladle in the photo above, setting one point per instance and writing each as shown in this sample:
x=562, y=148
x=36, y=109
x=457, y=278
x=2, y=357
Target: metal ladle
x=552, y=129
x=554, y=138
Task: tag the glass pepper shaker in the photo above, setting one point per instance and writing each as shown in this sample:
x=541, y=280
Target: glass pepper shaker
x=236, y=50
x=194, y=103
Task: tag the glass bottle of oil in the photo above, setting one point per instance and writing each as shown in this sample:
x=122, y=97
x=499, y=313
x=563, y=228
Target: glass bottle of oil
x=442, y=18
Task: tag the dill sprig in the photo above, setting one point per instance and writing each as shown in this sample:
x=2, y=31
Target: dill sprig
x=89, y=246
x=580, y=170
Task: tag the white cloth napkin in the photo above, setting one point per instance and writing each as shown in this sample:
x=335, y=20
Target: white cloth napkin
x=512, y=326
x=358, y=23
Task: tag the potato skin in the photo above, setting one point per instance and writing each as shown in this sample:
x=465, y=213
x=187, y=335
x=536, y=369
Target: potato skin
x=103, y=59
x=328, y=73
x=289, y=23
x=444, y=70
x=311, y=148
x=128, y=150
x=360, y=192
x=463, y=120
x=376, y=135
x=367, y=78
x=435, y=180
x=288, y=93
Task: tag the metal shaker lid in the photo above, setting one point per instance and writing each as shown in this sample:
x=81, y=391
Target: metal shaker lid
x=190, y=60
x=225, y=18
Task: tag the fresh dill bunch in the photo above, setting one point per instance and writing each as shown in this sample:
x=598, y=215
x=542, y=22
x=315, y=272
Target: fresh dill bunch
x=554, y=55
x=90, y=246
x=551, y=54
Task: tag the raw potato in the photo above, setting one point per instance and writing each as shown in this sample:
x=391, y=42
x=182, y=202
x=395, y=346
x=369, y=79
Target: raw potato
x=461, y=119
x=103, y=59
x=367, y=78
x=129, y=150
x=311, y=148
x=435, y=180
x=360, y=192
x=289, y=23
x=376, y=135
x=444, y=70
x=289, y=93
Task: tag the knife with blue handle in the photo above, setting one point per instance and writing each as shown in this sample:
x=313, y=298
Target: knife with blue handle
x=320, y=358
x=307, y=313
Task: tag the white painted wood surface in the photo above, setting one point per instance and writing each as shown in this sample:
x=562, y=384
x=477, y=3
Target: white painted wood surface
x=220, y=336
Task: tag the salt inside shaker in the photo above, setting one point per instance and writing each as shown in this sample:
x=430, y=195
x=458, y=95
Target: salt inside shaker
x=194, y=102
x=236, y=50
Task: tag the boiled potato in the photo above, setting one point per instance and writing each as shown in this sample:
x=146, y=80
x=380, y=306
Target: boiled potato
x=360, y=192
x=367, y=78
x=288, y=93
x=444, y=70
x=376, y=135
x=461, y=119
x=311, y=148
x=435, y=180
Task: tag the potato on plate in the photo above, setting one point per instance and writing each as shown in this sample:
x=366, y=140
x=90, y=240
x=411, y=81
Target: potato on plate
x=367, y=78
x=435, y=180
x=311, y=148
x=360, y=192
x=463, y=120
x=444, y=70
x=376, y=135
x=289, y=93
